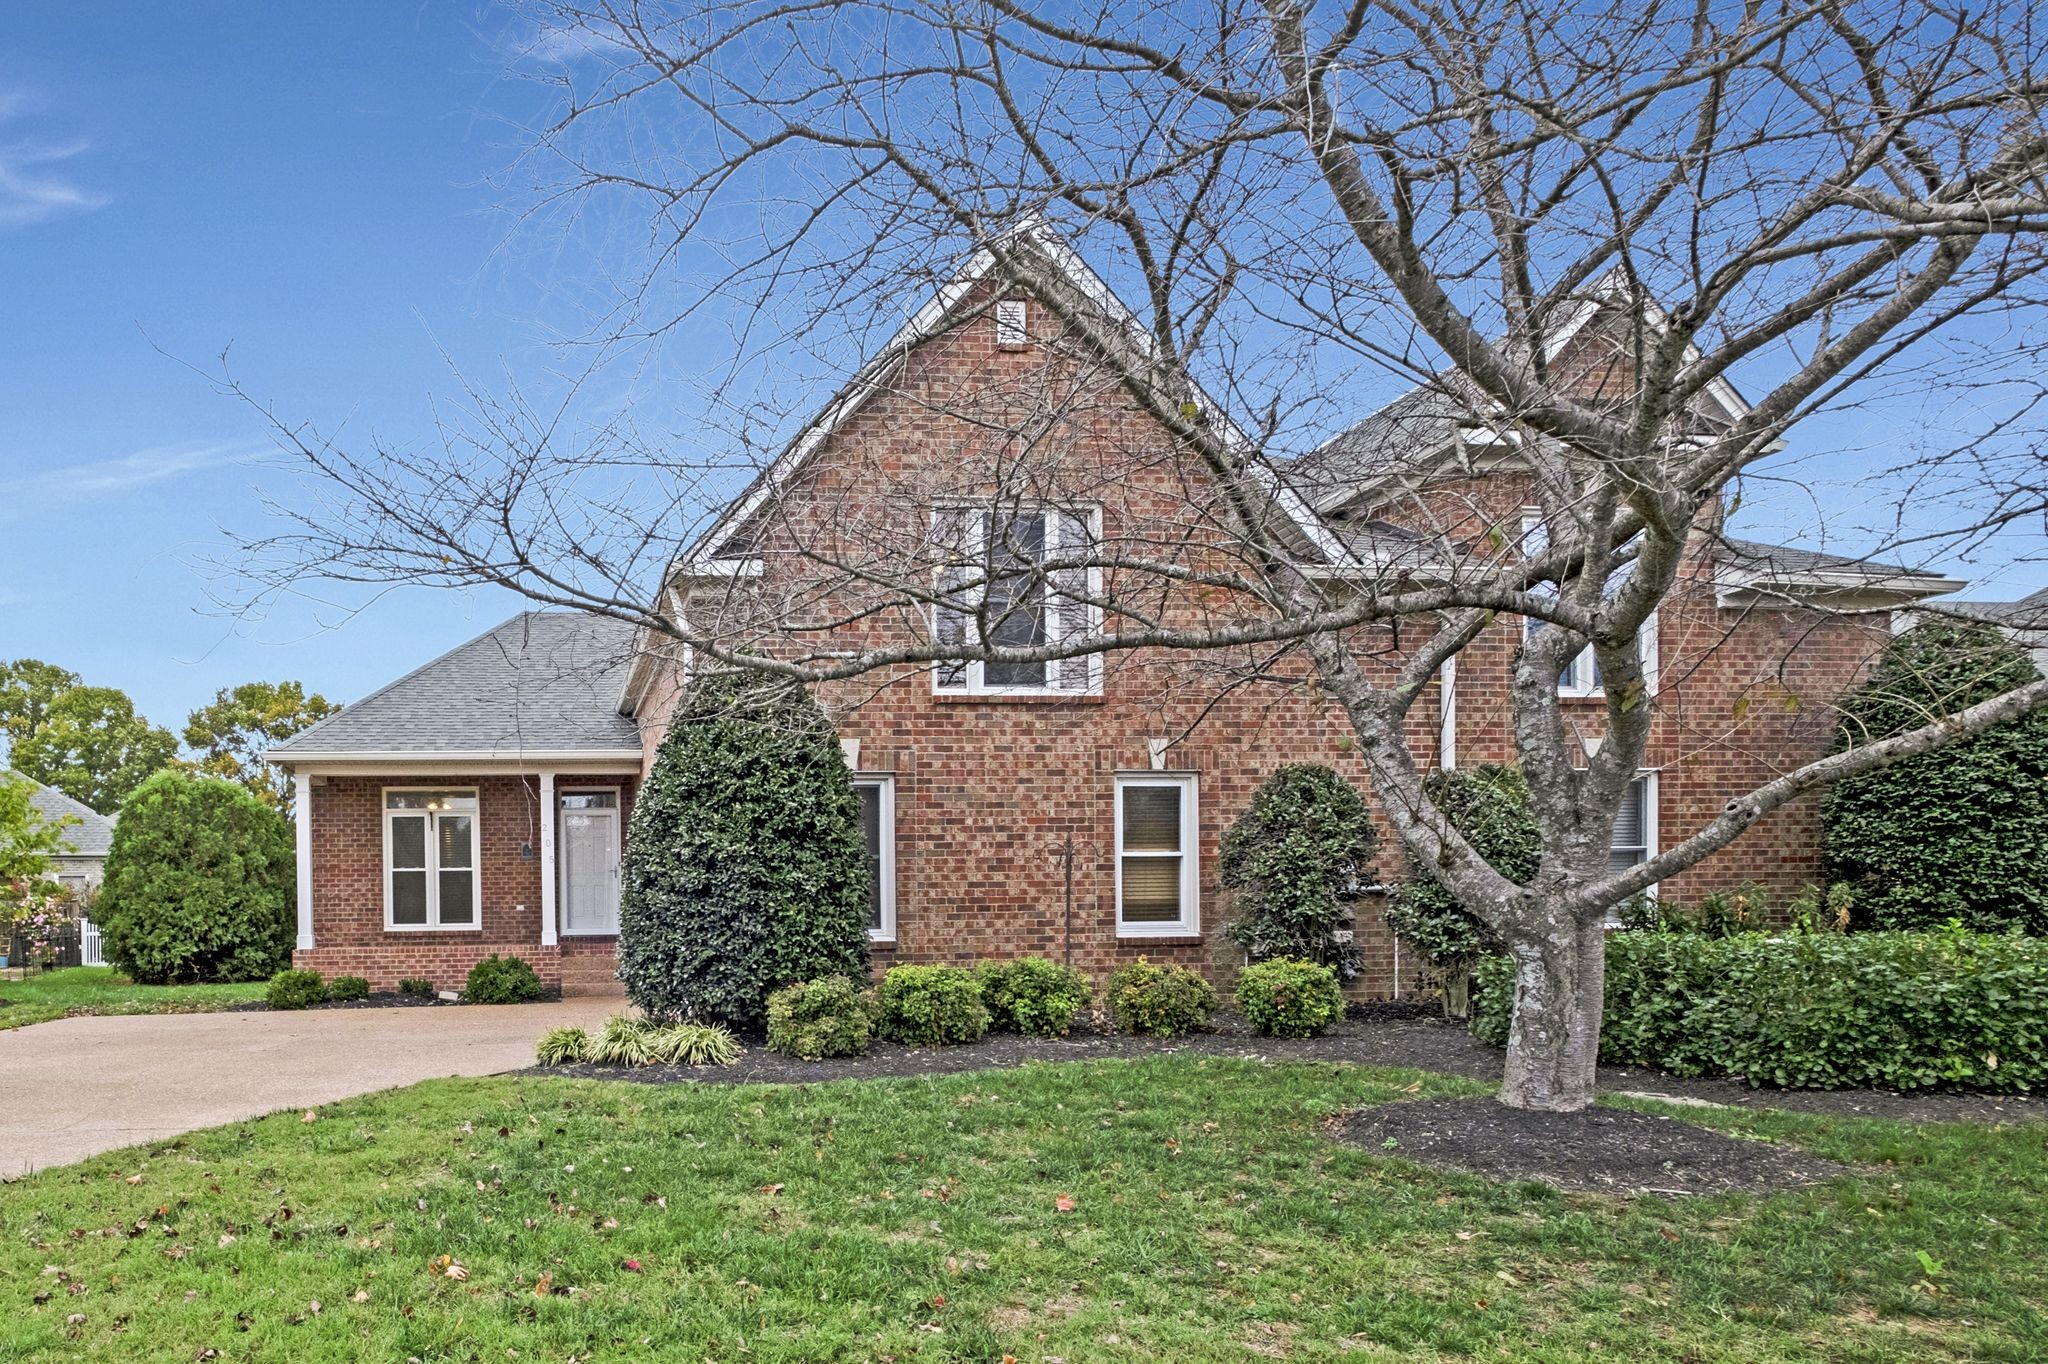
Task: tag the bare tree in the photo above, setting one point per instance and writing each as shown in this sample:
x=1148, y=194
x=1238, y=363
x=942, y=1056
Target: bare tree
x=1576, y=228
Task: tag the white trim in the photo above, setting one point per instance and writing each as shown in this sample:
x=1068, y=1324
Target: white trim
x=1648, y=777
x=302, y=805
x=885, y=782
x=432, y=867
x=466, y=770
x=618, y=814
x=550, y=901
x=1447, y=708
x=523, y=757
x=1190, y=854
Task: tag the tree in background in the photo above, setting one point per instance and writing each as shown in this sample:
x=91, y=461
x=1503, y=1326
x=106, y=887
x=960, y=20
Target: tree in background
x=27, y=687
x=1296, y=858
x=1489, y=806
x=229, y=735
x=92, y=746
x=746, y=870
x=199, y=884
x=1960, y=833
x=28, y=838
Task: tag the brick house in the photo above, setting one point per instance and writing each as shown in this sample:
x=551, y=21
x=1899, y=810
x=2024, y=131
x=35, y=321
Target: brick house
x=1068, y=809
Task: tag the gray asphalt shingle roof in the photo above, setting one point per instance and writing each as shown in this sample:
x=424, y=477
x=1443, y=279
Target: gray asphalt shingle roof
x=90, y=836
x=1792, y=561
x=542, y=682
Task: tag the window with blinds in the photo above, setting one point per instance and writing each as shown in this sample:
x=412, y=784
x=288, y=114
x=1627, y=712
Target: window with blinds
x=1011, y=579
x=1155, y=855
x=1634, y=825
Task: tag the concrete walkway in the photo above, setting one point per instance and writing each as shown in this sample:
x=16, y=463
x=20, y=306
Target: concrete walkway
x=78, y=1086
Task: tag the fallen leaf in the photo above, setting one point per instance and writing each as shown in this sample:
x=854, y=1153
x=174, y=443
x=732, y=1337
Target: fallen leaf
x=1063, y=1203
x=547, y=1281
x=630, y=1266
x=309, y=1116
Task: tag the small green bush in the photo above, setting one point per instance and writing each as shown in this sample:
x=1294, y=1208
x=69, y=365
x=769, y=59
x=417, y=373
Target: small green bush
x=1296, y=859
x=501, y=980
x=931, y=1006
x=1167, y=1001
x=1940, y=1010
x=1288, y=997
x=1033, y=996
x=415, y=987
x=348, y=988
x=562, y=1047
x=291, y=989
x=819, y=1018
x=692, y=1044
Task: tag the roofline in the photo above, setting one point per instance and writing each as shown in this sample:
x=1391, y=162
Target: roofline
x=453, y=755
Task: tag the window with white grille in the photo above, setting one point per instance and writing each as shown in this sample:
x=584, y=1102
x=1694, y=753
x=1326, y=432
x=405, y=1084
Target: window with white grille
x=1016, y=578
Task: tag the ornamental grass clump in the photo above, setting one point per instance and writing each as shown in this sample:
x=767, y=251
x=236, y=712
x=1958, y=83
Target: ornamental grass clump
x=931, y=1006
x=820, y=1018
x=1287, y=997
x=628, y=1041
x=562, y=1047
x=1165, y=1001
x=1033, y=996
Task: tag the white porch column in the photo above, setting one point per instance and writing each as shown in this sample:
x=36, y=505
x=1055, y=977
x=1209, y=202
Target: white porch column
x=548, y=879
x=302, y=804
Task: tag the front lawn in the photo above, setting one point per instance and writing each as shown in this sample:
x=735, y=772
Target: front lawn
x=1178, y=1207
x=97, y=989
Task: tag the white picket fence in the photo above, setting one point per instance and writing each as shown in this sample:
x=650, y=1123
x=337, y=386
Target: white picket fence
x=89, y=953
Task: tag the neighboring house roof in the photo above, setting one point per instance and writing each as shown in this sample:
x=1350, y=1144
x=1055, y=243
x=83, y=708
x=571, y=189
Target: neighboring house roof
x=93, y=832
x=543, y=683
x=2028, y=613
x=1749, y=564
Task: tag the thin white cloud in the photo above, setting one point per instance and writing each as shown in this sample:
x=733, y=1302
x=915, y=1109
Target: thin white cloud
x=33, y=183
x=560, y=46
x=51, y=488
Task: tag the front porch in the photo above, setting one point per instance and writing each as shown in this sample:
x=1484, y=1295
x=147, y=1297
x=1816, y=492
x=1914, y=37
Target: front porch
x=419, y=871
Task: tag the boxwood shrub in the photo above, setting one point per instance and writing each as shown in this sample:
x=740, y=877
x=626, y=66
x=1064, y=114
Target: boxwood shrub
x=1032, y=995
x=1935, y=1010
x=290, y=989
x=348, y=988
x=1288, y=997
x=501, y=980
x=1167, y=1001
x=819, y=1018
x=930, y=1006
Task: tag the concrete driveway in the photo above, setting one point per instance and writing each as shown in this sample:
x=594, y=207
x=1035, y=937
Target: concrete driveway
x=78, y=1086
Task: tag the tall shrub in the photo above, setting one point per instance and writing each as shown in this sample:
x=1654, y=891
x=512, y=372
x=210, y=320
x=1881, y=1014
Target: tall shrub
x=746, y=869
x=1959, y=833
x=1295, y=859
x=1489, y=804
x=199, y=884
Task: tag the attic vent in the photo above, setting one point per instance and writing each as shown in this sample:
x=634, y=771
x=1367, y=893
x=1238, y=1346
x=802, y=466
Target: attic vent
x=1010, y=323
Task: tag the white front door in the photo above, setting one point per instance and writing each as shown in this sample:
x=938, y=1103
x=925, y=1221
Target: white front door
x=590, y=862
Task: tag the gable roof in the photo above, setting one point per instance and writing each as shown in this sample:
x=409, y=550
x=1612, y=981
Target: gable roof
x=543, y=683
x=1755, y=566
x=90, y=836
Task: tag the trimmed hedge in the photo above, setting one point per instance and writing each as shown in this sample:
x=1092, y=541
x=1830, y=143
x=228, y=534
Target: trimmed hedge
x=819, y=1018
x=1289, y=998
x=1905, y=1011
x=930, y=1006
x=348, y=988
x=1166, y=1001
x=746, y=869
x=1032, y=995
x=295, y=989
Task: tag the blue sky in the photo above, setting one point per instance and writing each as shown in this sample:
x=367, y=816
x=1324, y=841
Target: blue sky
x=311, y=186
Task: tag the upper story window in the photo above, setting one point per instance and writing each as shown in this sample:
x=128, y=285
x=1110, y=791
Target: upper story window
x=1581, y=676
x=1005, y=587
x=430, y=869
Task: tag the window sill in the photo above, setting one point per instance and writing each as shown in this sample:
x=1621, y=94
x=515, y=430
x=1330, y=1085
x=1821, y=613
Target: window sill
x=1178, y=937
x=433, y=928
x=1011, y=698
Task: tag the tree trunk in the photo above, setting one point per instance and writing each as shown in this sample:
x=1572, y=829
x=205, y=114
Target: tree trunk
x=1554, y=1038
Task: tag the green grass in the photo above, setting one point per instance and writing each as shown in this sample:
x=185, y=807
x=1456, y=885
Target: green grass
x=920, y=1220
x=97, y=989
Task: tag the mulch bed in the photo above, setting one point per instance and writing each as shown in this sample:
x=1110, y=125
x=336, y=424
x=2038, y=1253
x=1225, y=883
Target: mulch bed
x=1596, y=1150
x=1405, y=1036
x=391, y=1001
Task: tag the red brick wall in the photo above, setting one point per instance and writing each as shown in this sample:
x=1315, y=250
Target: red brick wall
x=348, y=884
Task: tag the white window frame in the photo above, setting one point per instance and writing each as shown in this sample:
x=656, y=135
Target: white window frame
x=1190, y=854
x=433, y=867
x=1580, y=678
x=975, y=552
x=886, y=783
x=1648, y=778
